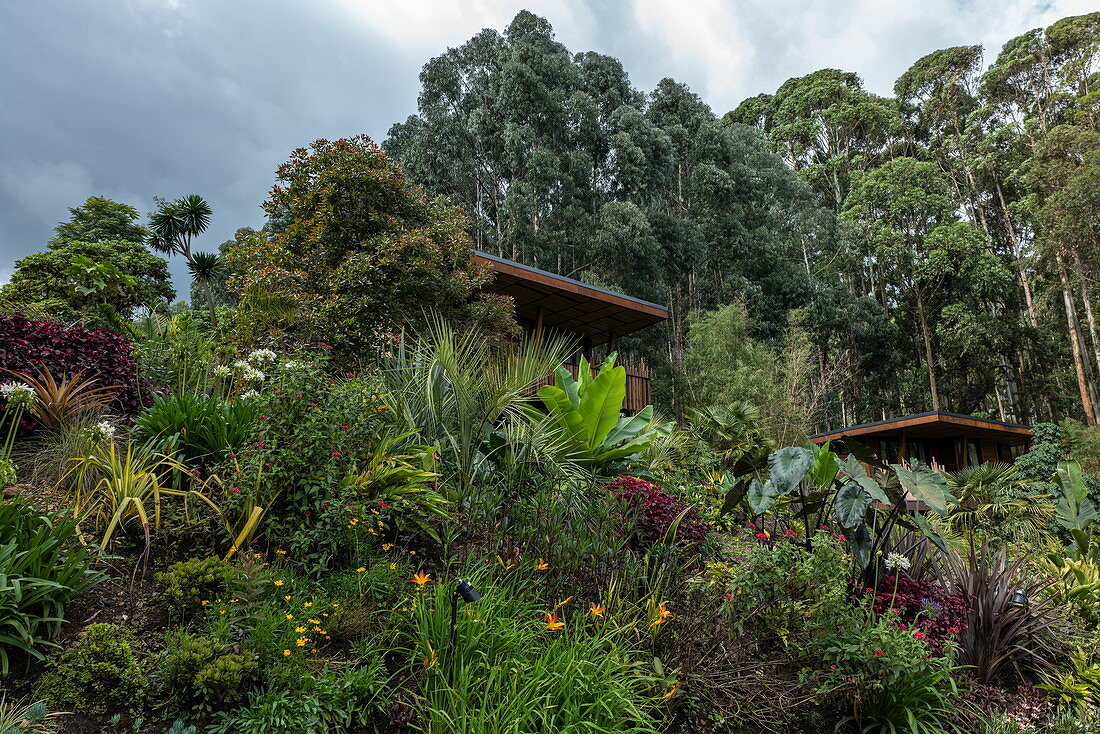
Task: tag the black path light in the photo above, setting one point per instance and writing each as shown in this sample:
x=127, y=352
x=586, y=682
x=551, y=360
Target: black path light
x=465, y=591
x=1019, y=599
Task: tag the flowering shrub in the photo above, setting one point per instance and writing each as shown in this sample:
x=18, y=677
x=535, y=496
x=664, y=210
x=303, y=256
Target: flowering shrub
x=26, y=344
x=657, y=511
x=924, y=608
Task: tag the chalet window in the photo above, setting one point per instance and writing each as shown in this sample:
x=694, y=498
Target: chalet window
x=973, y=453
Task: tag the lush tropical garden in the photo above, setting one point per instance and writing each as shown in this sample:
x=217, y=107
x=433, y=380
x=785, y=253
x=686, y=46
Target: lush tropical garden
x=342, y=490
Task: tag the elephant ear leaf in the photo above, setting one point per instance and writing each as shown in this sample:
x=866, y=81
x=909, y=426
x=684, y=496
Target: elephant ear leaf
x=930, y=532
x=761, y=496
x=925, y=485
x=851, y=505
x=788, y=467
x=855, y=472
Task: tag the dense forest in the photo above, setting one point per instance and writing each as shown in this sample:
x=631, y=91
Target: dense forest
x=937, y=249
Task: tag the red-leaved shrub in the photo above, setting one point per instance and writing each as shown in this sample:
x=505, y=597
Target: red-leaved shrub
x=26, y=344
x=924, y=607
x=656, y=511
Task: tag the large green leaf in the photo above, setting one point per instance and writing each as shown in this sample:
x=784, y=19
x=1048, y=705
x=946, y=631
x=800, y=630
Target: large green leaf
x=925, y=485
x=602, y=404
x=930, y=532
x=824, y=468
x=855, y=471
x=851, y=505
x=1075, y=510
x=558, y=403
x=564, y=381
x=788, y=467
x=760, y=496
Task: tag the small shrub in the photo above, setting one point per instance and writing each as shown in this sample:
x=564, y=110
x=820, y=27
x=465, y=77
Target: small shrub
x=784, y=591
x=99, y=673
x=206, y=674
x=657, y=511
x=314, y=704
x=26, y=345
x=189, y=583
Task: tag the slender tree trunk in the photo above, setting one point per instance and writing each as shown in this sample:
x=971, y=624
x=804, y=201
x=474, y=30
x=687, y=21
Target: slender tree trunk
x=1075, y=340
x=1090, y=315
x=208, y=295
x=928, y=358
x=1017, y=250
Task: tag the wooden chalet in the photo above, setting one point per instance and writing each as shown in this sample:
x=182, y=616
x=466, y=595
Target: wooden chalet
x=944, y=441
x=595, y=316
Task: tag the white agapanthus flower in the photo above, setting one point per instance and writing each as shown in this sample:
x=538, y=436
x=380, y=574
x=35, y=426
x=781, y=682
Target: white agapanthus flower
x=252, y=374
x=249, y=395
x=104, y=430
x=293, y=365
x=17, y=394
x=262, y=357
x=240, y=366
x=222, y=371
x=896, y=562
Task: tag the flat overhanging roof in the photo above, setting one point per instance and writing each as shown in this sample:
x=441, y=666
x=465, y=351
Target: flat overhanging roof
x=934, y=424
x=561, y=303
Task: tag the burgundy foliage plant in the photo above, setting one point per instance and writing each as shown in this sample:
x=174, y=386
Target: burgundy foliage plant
x=27, y=345
x=656, y=511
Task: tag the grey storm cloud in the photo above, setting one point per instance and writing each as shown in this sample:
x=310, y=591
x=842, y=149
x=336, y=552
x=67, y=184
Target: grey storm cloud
x=132, y=99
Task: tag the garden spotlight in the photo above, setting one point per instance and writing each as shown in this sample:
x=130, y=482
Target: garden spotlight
x=467, y=593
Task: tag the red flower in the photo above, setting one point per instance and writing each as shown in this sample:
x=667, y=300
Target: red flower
x=954, y=630
x=878, y=653
x=903, y=627
x=235, y=490
x=336, y=453
x=832, y=667
x=919, y=635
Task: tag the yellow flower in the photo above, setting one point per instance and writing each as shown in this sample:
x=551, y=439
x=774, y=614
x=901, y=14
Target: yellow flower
x=299, y=630
x=287, y=597
x=301, y=641
x=412, y=553
x=222, y=612
x=387, y=546
x=360, y=569
x=597, y=610
x=308, y=604
x=393, y=566
x=205, y=602
x=314, y=621
x=290, y=616
x=281, y=552
x=553, y=624
x=420, y=579
x=672, y=692
x=286, y=652
x=278, y=582
x=542, y=566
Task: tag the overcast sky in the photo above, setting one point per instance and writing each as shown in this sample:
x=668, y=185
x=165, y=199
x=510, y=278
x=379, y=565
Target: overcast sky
x=132, y=99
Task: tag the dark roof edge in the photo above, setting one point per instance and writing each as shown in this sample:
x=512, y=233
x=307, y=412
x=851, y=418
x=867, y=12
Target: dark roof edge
x=888, y=421
x=528, y=268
